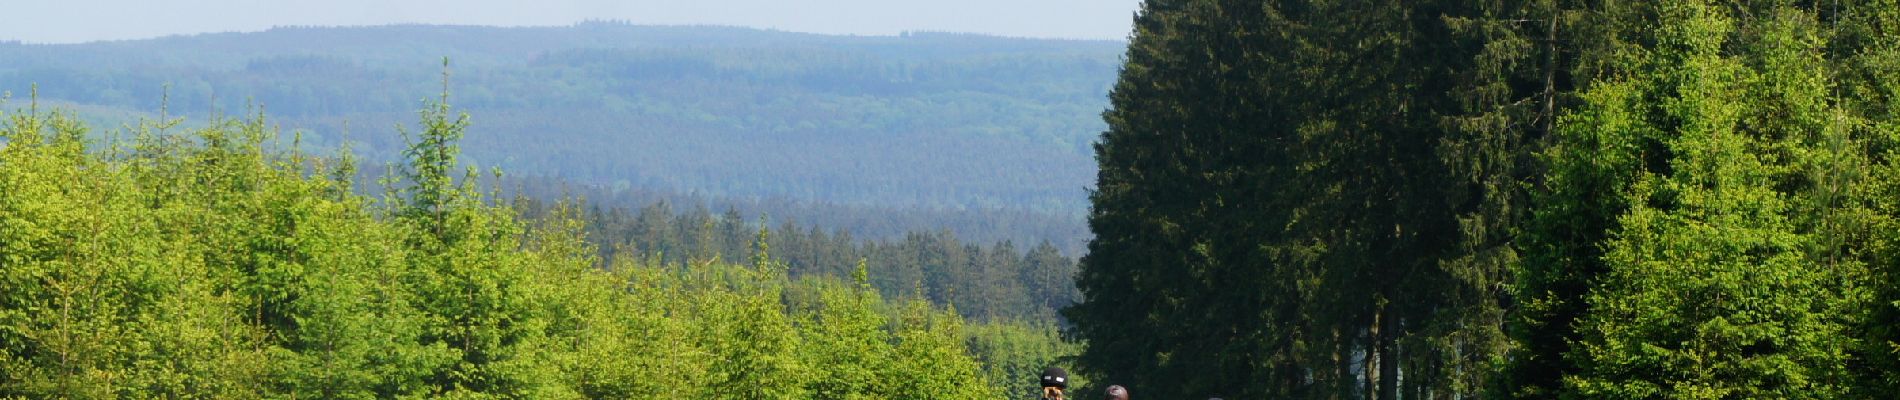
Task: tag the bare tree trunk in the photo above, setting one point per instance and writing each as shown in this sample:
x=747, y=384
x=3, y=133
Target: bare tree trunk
x=1341, y=382
x=1550, y=73
x=1387, y=343
x=1374, y=352
x=1413, y=381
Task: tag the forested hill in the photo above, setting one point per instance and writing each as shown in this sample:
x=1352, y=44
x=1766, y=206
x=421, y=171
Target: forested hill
x=940, y=121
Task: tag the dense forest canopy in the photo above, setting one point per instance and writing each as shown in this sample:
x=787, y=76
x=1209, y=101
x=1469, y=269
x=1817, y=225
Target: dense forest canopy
x=984, y=281
x=1308, y=199
x=936, y=120
x=201, y=263
x=1314, y=199
x=902, y=220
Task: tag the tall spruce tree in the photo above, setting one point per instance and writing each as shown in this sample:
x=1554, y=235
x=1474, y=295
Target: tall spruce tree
x=1309, y=198
x=1864, y=55
x=1703, y=228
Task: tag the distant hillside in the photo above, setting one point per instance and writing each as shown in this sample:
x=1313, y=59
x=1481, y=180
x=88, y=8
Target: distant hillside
x=943, y=121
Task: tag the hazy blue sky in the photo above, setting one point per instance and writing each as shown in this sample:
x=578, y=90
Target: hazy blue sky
x=67, y=21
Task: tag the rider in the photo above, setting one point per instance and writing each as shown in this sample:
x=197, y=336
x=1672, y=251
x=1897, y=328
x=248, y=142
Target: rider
x=1117, y=392
x=1054, y=381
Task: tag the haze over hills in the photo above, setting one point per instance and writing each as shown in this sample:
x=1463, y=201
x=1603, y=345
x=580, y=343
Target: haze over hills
x=993, y=128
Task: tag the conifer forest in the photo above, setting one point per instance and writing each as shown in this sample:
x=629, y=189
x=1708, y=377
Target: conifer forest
x=1541, y=199
x=1267, y=199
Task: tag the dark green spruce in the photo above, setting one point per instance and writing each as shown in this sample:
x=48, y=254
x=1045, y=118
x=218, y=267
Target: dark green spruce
x=1546, y=199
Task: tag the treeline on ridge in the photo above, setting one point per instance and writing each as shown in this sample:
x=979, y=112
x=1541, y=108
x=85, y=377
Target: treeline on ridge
x=984, y=283
x=928, y=120
x=863, y=222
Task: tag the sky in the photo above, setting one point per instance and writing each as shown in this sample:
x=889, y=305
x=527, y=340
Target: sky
x=73, y=21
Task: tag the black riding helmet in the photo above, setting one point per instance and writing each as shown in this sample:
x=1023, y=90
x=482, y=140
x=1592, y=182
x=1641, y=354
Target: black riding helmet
x=1055, y=378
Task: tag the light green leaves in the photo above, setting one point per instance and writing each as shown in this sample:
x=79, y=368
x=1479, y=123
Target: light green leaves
x=207, y=266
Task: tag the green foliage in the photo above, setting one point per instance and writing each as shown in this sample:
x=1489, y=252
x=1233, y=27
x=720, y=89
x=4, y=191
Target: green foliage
x=205, y=266
x=1307, y=199
x=986, y=282
x=848, y=345
x=1863, y=183
x=1542, y=199
x=1011, y=352
x=1721, y=172
x=105, y=294
x=931, y=361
